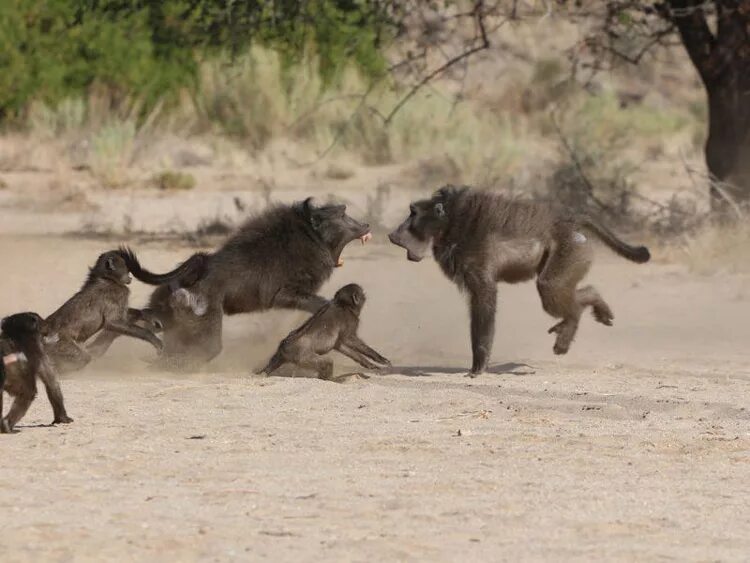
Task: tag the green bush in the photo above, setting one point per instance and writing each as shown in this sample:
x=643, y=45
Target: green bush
x=148, y=50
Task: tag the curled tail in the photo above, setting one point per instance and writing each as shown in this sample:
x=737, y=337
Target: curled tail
x=639, y=254
x=273, y=364
x=187, y=273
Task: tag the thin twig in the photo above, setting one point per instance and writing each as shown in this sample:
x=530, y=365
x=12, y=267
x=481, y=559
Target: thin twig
x=458, y=58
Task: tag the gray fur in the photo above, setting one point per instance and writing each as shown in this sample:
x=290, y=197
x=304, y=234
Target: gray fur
x=480, y=238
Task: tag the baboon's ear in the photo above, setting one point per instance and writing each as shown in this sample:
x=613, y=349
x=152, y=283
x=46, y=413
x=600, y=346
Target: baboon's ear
x=356, y=298
x=308, y=207
x=439, y=210
x=311, y=212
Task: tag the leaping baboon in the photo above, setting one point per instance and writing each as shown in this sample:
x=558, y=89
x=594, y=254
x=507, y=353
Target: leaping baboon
x=480, y=238
x=102, y=305
x=332, y=327
x=23, y=360
x=278, y=259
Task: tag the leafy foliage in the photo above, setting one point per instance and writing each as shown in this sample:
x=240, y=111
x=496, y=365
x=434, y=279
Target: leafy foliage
x=51, y=50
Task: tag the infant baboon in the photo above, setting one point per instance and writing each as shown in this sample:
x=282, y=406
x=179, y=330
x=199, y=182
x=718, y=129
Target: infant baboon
x=481, y=238
x=23, y=360
x=333, y=327
x=102, y=305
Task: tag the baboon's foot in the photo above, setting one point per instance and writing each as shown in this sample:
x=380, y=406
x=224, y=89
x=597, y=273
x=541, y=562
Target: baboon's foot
x=561, y=347
x=64, y=419
x=566, y=331
x=4, y=426
x=603, y=314
x=474, y=374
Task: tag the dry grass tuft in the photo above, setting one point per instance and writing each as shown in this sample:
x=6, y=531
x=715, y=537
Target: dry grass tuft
x=717, y=248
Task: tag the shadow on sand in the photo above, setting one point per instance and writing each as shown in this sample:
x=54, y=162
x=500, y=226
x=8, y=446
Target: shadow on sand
x=510, y=368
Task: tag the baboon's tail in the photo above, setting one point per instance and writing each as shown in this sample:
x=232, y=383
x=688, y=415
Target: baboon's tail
x=639, y=254
x=189, y=272
x=273, y=364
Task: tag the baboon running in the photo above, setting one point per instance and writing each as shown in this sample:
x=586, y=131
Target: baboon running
x=102, y=305
x=479, y=239
x=278, y=260
x=24, y=359
x=333, y=327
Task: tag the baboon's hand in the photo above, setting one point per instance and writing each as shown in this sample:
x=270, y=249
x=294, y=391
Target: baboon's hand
x=64, y=419
x=473, y=374
x=4, y=426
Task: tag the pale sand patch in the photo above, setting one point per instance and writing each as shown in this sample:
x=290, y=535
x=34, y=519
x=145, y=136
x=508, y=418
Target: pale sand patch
x=634, y=446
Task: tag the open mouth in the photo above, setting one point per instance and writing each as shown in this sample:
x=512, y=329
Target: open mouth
x=363, y=239
x=413, y=257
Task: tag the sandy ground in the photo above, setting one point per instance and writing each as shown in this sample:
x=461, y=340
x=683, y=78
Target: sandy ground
x=634, y=446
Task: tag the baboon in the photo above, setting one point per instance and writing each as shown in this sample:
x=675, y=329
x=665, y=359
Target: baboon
x=480, y=238
x=24, y=359
x=278, y=259
x=332, y=327
x=102, y=305
x=182, y=305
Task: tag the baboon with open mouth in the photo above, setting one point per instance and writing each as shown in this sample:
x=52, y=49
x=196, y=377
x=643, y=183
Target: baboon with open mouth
x=276, y=260
x=479, y=239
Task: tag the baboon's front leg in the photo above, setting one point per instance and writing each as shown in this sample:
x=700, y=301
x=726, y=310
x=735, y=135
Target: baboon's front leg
x=49, y=377
x=360, y=345
x=290, y=299
x=483, y=300
x=356, y=355
x=136, y=332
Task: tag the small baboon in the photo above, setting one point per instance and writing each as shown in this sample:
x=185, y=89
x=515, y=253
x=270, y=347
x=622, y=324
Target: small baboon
x=480, y=238
x=23, y=360
x=181, y=306
x=102, y=305
x=332, y=327
x=276, y=260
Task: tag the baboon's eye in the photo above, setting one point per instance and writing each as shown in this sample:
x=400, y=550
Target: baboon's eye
x=412, y=211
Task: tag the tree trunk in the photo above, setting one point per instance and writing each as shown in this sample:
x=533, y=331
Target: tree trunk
x=723, y=62
x=728, y=144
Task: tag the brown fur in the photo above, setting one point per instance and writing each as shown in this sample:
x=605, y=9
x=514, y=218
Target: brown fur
x=101, y=307
x=278, y=259
x=22, y=332
x=333, y=327
x=479, y=239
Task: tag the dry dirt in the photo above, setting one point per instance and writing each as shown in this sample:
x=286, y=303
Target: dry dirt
x=634, y=446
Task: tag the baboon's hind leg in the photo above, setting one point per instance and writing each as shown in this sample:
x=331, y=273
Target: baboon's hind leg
x=322, y=366
x=589, y=296
x=21, y=403
x=565, y=267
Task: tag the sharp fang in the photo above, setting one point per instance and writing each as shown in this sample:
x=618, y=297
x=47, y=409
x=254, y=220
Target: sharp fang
x=339, y=263
x=364, y=238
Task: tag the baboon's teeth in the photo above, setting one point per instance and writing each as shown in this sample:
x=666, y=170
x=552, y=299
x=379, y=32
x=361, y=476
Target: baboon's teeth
x=364, y=238
x=339, y=262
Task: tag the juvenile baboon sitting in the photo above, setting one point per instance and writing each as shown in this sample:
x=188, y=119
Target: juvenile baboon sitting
x=102, y=305
x=480, y=238
x=333, y=327
x=23, y=360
